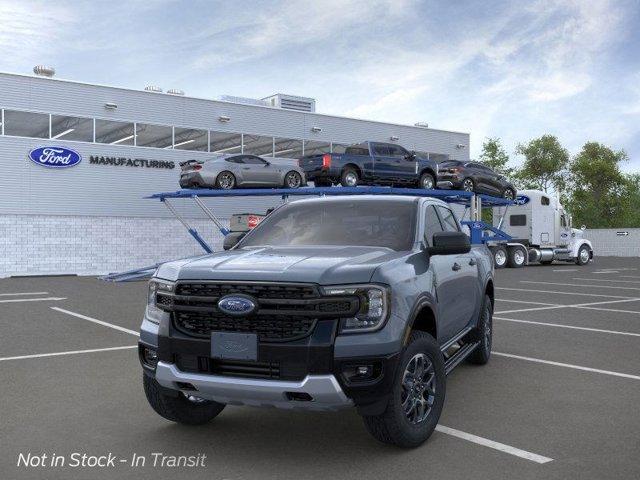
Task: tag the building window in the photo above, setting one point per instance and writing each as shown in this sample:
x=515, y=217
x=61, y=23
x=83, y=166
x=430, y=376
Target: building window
x=26, y=124
x=312, y=147
x=190, y=139
x=224, y=142
x=258, y=145
x=287, y=148
x=72, y=128
x=114, y=133
x=158, y=136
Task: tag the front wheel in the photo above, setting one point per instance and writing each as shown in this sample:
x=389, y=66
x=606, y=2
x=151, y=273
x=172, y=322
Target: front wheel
x=188, y=410
x=427, y=181
x=583, y=255
x=292, y=179
x=417, y=397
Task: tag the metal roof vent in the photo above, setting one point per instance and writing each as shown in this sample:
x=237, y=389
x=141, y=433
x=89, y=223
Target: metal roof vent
x=422, y=124
x=292, y=102
x=175, y=91
x=44, y=71
x=153, y=88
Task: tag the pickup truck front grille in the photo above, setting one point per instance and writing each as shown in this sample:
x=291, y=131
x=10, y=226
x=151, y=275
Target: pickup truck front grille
x=232, y=368
x=284, y=311
x=269, y=328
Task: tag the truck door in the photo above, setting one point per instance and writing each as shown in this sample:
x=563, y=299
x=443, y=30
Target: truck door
x=456, y=277
x=404, y=165
x=383, y=161
x=563, y=231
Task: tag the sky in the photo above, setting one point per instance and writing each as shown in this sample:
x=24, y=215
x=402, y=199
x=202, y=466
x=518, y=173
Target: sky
x=513, y=70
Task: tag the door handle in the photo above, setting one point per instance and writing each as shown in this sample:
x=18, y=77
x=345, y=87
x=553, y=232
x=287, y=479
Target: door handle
x=456, y=266
x=472, y=262
x=246, y=168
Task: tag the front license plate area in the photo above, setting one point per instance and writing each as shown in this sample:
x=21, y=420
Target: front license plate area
x=234, y=346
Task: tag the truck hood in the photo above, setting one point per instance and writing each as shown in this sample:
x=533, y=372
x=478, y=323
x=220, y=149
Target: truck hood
x=322, y=265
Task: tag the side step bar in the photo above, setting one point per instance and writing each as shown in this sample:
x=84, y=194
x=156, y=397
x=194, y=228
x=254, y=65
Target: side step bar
x=463, y=352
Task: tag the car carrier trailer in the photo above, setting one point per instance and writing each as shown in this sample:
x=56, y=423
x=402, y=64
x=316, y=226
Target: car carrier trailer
x=506, y=249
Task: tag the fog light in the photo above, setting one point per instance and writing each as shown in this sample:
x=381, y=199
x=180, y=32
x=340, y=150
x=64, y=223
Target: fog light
x=361, y=373
x=364, y=371
x=150, y=357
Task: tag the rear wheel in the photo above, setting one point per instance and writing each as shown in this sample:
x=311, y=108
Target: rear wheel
x=499, y=256
x=189, y=410
x=516, y=257
x=349, y=178
x=427, y=181
x=292, y=179
x=226, y=180
x=483, y=333
x=417, y=397
x=468, y=185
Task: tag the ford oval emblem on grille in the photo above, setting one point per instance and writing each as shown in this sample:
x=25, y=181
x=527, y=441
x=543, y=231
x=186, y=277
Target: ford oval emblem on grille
x=236, y=305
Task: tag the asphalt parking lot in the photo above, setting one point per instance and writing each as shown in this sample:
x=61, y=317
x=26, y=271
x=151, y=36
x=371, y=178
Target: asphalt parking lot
x=559, y=398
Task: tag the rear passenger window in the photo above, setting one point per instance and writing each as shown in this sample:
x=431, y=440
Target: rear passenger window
x=517, y=220
x=448, y=220
x=431, y=224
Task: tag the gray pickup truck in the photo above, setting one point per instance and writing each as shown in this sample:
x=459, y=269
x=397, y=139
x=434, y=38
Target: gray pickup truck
x=365, y=301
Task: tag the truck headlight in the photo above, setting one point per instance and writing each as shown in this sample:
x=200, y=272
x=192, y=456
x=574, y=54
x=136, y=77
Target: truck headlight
x=374, y=307
x=154, y=313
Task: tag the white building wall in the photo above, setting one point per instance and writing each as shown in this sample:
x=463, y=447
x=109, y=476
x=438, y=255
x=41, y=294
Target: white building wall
x=53, y=245
x=612, y=242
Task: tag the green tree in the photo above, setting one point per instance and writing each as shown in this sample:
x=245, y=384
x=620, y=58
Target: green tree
x=600, y=194
x=545, y=164
x=632, y=214
x=495, y=156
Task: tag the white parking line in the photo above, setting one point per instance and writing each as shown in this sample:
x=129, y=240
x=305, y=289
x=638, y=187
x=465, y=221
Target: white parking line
x=567, y=365
x=577, y=305
x=604, y=272
x=495, y=445
x=45, y=299
x=71, y=352
x=629, y=276
x=95, y=320
x=559, y=325
x=532, y=309
x=606, y=280
x=567, y=270
x=617, y=310
x=580, y=285
x=529, y=290
x=522, y=301
x=23, y=293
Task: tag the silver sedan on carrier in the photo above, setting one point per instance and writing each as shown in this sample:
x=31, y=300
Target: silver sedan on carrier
x=241, y=170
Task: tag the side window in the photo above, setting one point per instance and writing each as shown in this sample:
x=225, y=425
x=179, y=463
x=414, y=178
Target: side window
x=563, y=221
x=544, y=200
x=381, y=150
x=252, y=160
x=397, y=151
x=517, y=220
x=448, y=220
x=431, y=224
x=238, y=159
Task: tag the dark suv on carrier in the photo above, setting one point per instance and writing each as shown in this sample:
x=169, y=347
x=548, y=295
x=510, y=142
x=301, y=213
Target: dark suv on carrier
x=475, y=177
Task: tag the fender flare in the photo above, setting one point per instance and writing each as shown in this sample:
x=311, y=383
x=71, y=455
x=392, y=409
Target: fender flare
x=424, y=300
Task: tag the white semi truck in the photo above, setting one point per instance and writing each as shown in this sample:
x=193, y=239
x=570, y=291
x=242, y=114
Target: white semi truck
x=540, y=231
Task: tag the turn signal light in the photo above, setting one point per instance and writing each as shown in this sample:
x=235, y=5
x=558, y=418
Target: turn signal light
x=326, y=160
x=197, y=167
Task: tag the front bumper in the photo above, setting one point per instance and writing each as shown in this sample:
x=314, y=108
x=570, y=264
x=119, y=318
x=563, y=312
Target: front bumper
x=314, y=392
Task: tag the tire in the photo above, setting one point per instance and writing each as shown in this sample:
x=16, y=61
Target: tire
x=395, y=427
x=468, y=185
x=516, y=257
x=349, y=177
x=322, y=183
x=584, y=255
x=427, y=181
x=484, y=334
x=499, y=256
x=179, y=409
x=225, y=180
x=509, y=194
x=292, y=180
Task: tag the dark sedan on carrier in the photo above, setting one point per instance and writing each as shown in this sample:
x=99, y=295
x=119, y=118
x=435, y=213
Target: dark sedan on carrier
x=475, y=177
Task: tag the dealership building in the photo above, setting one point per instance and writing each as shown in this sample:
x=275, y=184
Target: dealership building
x=91, y=217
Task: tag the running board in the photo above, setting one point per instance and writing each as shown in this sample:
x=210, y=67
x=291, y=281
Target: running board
x=462, y=353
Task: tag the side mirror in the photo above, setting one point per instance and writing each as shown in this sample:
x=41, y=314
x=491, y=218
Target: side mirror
x=410, y=156
x=267, y=163
x=231, y=239
x=449, y=243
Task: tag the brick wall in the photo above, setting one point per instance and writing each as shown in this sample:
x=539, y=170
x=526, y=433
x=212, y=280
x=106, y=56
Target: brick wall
x=607, y=242
x=46, y=245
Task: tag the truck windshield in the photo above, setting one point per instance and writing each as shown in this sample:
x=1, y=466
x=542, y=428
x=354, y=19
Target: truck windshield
x=348, y=222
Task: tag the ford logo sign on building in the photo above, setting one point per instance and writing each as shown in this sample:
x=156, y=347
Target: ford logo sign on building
x=236, y=305
x=55, y=157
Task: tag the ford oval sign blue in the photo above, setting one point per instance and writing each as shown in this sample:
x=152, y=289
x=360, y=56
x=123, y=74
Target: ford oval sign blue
x=55, y=157
x=236, y=305
x=521, y=200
